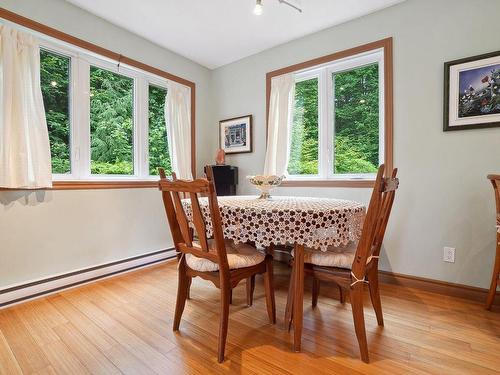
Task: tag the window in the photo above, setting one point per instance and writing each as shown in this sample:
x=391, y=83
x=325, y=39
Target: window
x=106, y=122
x=342, y=117
x=337, y=128
x=304, y=146
x=356, y=120
x=55, y=83
x=111, y=123
x=158, y=142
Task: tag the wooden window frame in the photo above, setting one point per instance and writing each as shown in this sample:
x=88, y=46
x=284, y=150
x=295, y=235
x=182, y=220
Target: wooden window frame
x=386, y=46
x=108, y=54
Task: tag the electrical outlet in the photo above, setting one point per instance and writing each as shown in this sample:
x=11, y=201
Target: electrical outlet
x=449, y=254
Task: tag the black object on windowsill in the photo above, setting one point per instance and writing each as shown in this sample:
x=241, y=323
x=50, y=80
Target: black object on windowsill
x=226, y=179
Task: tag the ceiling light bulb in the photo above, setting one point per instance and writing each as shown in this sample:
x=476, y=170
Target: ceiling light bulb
x=258, y=8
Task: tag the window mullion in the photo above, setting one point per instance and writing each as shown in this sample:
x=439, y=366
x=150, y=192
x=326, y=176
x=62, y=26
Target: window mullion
x=81, y=127
x=141, y=128
x=324, y=132
x=381, y=111
x=331, y=124
x=75, y=113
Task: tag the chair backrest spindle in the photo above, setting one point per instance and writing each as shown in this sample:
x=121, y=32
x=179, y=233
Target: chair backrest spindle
x=391, y=184
x=376, y=220
x=182, y=232
x=495, y=181
x=198, y=221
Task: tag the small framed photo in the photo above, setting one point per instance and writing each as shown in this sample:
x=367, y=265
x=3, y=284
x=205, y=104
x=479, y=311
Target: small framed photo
x=235, y=135
x=472, y=92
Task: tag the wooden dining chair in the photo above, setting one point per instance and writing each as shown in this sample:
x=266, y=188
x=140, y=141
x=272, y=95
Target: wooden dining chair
x=495, y=278
x=351, y=267
x=215, y=259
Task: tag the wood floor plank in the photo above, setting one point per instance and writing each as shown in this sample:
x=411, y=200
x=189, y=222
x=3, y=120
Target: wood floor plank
x=49, y=370
x=86, y=326
x=40, y=317
x=128, y=363
x=29, y=355
x=91, y=357
x=149, y=355
x=62, y=360
x=124, y=325
x=8, y=362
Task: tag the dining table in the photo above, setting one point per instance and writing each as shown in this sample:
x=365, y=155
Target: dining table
x=315, y=223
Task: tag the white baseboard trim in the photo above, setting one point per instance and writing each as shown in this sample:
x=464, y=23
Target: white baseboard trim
x=39, y=288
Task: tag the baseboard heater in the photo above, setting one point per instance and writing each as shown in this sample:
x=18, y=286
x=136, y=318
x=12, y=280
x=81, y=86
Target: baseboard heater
x=26, y=291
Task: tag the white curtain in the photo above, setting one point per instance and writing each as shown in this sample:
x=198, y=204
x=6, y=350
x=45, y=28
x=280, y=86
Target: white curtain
x=24, y=140
x=178, y=119
x=279, y=124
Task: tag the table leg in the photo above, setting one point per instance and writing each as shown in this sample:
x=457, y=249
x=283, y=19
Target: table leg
x=298, y=300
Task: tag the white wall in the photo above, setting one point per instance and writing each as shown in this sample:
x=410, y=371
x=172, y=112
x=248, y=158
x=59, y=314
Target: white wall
x=444, y=198
x=47, y=233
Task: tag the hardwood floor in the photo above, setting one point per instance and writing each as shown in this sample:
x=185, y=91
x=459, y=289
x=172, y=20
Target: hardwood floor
x=124, y=325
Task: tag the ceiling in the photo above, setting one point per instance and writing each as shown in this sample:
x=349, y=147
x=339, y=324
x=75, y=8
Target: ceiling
x=217, y=32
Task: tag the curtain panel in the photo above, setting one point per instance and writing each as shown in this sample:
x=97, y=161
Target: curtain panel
x=279, y=124
x=178, y=119
x=25, y=161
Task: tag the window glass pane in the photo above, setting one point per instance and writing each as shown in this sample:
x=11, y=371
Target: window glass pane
x=54, y=80
x=158, y=143
x=304, y=137
x=111, y=122
x=356, y=120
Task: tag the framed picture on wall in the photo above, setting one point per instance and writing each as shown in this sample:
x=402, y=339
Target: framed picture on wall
x=472, y=92
x=235, y=135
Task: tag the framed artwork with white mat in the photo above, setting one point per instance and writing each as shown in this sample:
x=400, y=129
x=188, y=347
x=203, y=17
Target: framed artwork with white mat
x=235, y=135
x=472, y=92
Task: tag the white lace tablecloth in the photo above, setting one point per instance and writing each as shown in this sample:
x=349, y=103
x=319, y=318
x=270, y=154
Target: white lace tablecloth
x=312, y=222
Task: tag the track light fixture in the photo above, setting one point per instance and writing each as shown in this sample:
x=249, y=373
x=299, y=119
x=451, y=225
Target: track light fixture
x=291, y=3
x=258, y=8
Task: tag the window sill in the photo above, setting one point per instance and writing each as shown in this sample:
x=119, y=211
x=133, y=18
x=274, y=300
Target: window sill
x=93, y=185
x=329, y=183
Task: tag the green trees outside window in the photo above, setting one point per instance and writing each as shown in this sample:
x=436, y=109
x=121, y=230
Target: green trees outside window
x=158, y=142
x=109, y=114
x=346, y=111
x=55, y=84
x=111, y=123
x=304, y=138
x=356, y=120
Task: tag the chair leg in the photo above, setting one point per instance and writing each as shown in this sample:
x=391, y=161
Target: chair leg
x=375, y=295
x=250, y=289
x=298, y=299
x=315, y=291
x=231, y=297
x=494, y=280
x=359, y=319
x=182, y=293
x=289, y=301
x=341, y=294
x=269, y=287
x=224, y=320
x=190, y=280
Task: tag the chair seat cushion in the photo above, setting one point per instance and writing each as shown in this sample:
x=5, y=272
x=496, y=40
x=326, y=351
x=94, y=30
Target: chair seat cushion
x=341, y=257
x=238, y=256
